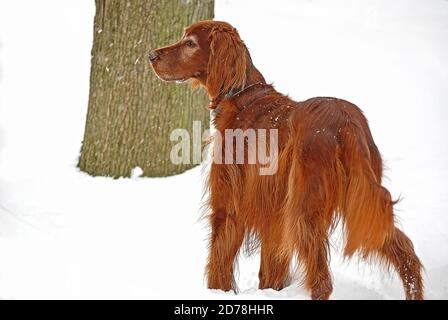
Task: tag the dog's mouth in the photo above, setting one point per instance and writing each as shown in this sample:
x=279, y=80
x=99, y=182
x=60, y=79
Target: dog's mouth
x=169, y=77
x=173, y=79
x=166, y=74
x=194, y=76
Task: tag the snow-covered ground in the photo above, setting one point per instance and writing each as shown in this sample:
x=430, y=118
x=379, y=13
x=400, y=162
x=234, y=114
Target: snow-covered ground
x=64, y=234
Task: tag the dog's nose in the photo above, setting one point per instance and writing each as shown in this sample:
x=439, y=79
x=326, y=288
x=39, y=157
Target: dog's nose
x=153, y=56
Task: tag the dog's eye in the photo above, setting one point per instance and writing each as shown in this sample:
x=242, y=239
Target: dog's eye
x=190, y=43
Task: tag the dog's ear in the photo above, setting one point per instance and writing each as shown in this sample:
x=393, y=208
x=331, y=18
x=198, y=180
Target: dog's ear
x=227, y=62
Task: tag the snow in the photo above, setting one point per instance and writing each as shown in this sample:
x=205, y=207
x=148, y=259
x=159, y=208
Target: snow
x=64, y=234
x=136, y=172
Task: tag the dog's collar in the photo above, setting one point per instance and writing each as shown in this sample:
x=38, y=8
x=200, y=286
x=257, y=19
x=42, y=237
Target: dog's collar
x=232, y=94
x=214, y=104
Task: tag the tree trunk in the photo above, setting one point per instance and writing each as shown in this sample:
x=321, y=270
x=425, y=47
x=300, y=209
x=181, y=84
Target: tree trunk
x=131, y=113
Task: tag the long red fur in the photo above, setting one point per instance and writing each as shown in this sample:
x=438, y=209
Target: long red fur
x=329, y=170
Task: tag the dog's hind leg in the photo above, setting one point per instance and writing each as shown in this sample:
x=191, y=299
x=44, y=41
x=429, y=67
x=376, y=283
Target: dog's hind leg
x=314, y=190
x=274, y=264
x=226, y=239
x=314, y=258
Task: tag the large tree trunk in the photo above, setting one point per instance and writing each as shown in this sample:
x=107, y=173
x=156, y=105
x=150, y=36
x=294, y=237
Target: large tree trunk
x=131, y=113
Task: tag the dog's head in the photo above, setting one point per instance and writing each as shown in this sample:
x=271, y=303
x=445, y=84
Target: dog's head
x=211, y=53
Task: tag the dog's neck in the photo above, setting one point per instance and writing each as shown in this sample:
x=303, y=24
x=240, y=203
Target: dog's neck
x=253, y=77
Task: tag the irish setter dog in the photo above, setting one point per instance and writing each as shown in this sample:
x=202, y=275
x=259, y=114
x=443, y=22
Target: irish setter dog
x=329, y=170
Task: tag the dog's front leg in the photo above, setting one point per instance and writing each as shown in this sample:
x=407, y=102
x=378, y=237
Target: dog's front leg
x=226, y=239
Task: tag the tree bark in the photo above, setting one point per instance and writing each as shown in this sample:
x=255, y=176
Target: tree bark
x=131, y=113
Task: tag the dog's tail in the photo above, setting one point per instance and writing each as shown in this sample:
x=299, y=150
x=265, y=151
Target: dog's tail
x=367, y=207
x=367, y=212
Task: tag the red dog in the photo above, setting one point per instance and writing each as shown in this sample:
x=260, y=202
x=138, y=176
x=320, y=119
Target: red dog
x=329, y=169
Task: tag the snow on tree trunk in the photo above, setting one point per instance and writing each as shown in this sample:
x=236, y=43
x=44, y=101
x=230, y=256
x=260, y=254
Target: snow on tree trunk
x=131, y=113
